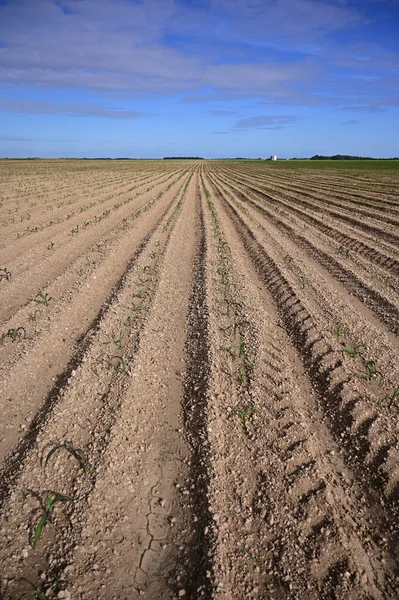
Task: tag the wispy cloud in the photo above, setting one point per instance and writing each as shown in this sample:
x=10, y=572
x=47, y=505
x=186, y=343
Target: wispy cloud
x=350, y=122
x=7, y=138
x=221, y=113
x=367, y=108
x=267, y=122
x=77, y=109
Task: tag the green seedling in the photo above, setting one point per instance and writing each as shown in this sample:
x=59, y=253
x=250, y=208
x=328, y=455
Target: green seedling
x=372, y=373
x=136, y=308
x=32, y=317
x=229, y=351
x=43, y=298
x=75, y=230
x=343, y=251
x=75, y=452
x=245, y=414
x=116, y=340
x=224, y=275
x=389, y=400
x=340, y=330
x=254, y=558
x=15, y=335
x=303, y=281
x=47, y=515
x=243, y=376
x=4, y=273
x=128, y=322
x=288, y=259
x=356, y=350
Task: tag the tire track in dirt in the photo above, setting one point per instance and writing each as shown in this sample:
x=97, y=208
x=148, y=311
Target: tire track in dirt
x=320, y=365
x=361, y=407
x=303, y=551
x=365, y=418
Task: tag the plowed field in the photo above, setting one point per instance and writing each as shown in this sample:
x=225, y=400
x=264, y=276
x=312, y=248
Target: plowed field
x=199, y=381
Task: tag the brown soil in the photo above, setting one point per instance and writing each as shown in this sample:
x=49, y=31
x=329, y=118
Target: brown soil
x=203, y=363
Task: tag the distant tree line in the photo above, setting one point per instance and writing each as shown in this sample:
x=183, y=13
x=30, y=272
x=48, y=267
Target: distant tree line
x=183, y=158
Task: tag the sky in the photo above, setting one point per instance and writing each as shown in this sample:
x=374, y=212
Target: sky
x=210, y=78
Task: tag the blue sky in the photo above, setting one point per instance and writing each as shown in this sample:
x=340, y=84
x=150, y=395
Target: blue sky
x=213, y=78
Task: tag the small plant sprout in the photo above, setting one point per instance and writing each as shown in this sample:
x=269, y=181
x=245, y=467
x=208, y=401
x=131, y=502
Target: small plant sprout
x=340, y=330
x=303, y=281
x=47, y=515
x=43, y=298
x=343, y=251
x=136, y=307
x=245, y=414
x=15, y=335
x=75, y=452
x=116, y=340
x=390, y=399
x=4, y=273
x=355, y=350
x=372, y=373
x=75, y=230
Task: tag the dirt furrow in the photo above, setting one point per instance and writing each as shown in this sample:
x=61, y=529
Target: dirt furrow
x=43, y=263
x=372, y=254
x=342, y=186
x=322, y=197
x=362, y=412
x=55, y=339
x=102, y=378
x=199, y=384
x=325, y=371
x=384, y=310
x=283, y=525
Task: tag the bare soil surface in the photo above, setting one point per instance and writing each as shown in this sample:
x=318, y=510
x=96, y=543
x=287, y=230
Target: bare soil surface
x=199, y=381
